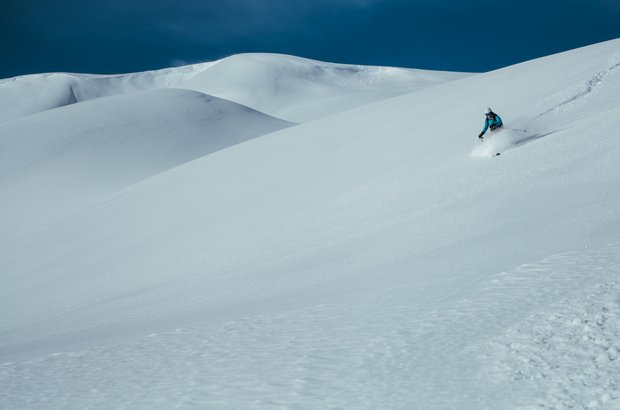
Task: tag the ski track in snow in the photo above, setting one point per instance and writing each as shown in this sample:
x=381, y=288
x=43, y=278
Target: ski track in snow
x=510, y=138
x=373, y=354
x=585, y=88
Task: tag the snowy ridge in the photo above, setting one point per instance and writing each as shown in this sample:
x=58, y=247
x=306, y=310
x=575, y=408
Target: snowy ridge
x=372, y=258
x=300, y=90
x=292, y=88
x=80, y=154
x=30, y=94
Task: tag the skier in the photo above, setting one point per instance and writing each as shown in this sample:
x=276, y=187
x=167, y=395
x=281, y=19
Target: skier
x=492, y=121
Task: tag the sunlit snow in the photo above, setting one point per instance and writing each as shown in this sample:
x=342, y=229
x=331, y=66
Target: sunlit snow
x=260, y=236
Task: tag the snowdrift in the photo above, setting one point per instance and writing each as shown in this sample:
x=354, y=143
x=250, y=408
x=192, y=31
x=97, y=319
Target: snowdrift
x=372, y=258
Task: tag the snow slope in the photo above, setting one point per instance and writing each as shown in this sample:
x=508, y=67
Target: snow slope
x=30, y=94
x=300, y=90
x=57, y=162
x=287, y=87
x=375, y=258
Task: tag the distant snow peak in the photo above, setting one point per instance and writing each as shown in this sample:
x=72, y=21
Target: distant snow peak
x=288, y=87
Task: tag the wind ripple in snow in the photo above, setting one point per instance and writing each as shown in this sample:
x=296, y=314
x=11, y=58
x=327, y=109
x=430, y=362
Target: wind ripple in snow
x=567, y=354
x=397, y=351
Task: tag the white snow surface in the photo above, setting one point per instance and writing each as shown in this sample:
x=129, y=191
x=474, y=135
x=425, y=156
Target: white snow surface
x=292, y=88
x=378, y=257
x=77, y=155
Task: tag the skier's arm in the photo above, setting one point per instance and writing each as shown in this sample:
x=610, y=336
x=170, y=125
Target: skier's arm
x=486, y=127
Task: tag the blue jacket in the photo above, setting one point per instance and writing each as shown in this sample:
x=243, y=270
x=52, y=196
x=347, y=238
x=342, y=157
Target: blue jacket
x=493, y=123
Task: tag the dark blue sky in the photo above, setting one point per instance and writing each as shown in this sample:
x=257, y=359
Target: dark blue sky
x=99, y=36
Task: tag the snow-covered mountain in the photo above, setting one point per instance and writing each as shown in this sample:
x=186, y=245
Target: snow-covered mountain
x=379, y=257
x=57, y=162
x=292, y=88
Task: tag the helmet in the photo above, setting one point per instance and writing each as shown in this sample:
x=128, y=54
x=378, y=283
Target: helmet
x=488, y=111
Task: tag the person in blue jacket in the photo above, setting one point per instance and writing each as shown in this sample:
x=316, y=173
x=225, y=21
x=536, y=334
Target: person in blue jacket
x=492, y=122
